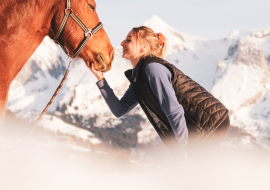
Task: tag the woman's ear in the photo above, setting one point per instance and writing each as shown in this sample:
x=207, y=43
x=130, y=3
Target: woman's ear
x=141, y=49
x=144, y=48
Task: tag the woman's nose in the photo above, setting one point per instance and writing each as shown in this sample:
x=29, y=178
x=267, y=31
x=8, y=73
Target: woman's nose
x=122, y=43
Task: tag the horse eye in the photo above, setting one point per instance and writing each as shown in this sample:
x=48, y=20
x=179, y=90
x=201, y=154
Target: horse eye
x=92, y=7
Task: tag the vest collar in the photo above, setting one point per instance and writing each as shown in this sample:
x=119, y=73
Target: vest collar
x=135, y=70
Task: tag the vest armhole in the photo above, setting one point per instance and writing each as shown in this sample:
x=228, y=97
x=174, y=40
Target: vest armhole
x=160, y=61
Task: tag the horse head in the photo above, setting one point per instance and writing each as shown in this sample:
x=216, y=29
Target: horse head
x=98, y=50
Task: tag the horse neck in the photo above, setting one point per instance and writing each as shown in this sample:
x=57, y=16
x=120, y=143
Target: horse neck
x=25, y=24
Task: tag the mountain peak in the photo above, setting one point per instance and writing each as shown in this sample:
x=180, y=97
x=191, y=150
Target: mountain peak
x=233, y=34
x=157, y=20
x=158, y=25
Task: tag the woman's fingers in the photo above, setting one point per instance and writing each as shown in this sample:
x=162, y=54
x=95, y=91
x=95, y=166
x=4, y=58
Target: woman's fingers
x=98, y=74
x=92, y=68
x=89, y=65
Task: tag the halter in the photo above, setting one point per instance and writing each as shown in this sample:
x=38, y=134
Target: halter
x=88, y=33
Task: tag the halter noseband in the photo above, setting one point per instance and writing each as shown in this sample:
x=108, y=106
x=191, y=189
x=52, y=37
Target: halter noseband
x=88, y=33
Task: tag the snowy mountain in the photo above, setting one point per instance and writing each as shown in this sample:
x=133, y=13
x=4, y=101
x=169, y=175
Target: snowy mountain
x=243, y=81
x=235, y=69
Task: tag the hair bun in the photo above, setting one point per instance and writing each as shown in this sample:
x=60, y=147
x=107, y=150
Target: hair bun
x=161, y=38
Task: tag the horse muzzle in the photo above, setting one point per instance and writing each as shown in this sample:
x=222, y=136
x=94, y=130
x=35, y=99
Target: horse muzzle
x=104, y=64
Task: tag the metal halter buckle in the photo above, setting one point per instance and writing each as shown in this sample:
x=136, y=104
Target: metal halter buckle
x=88, y=32
x=69, y=10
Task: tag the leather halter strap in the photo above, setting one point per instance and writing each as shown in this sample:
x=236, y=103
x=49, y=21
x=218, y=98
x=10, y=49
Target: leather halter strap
x=88, y=33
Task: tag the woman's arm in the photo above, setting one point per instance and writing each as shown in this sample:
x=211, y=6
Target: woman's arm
x=118, y=107
x=160, y=82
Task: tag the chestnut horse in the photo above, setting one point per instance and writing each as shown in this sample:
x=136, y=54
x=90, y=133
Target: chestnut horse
x=24, y=24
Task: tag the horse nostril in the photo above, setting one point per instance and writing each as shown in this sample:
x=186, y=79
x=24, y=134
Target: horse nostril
x=101, y=58
x=101, y=62
x=112, y=55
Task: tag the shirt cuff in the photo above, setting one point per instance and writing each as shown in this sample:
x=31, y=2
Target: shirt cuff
x=102, y=83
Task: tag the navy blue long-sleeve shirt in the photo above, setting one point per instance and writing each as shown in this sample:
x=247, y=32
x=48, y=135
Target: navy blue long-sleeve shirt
x=160, y=82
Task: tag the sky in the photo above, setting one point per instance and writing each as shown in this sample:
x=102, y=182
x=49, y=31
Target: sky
x=211, y=19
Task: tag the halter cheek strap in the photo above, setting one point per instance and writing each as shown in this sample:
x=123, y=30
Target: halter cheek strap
x=88, y=33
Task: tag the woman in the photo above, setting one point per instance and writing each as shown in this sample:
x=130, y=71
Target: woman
x=182, y=112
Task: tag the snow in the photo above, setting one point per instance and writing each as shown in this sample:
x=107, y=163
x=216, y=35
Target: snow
x=235, y=34
x=58, y=126
x=240, y=84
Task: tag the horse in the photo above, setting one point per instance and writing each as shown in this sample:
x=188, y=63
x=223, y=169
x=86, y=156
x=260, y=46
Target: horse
x=25, y=23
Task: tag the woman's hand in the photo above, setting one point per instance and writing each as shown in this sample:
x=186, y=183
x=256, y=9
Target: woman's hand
x=98, y=74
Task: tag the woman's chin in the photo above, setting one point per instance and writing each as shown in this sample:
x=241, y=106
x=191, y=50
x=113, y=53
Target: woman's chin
x=126, y=56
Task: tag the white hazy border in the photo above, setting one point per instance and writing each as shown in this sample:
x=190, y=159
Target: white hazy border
x=46, y=162
x=53, y=161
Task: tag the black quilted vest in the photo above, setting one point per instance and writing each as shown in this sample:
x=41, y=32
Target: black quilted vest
x=203, y=112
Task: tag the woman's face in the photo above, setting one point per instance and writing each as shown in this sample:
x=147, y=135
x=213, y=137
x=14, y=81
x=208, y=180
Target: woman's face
x=130, y=47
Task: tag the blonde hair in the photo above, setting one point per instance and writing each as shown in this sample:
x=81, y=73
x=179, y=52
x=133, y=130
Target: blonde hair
x=147, y=35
